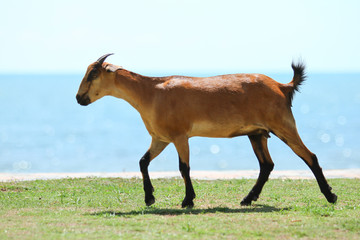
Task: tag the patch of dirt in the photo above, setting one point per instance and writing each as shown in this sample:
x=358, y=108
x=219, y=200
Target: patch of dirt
x=13, y=189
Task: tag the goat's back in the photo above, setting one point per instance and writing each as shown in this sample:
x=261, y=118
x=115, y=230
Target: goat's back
x=220, y=106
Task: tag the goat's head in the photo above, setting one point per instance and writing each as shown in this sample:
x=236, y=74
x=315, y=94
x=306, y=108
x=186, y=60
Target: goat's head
x=96, y=81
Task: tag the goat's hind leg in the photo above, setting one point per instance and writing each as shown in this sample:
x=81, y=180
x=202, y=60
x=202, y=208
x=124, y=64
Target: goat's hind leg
x=291, y=137
x=259, y=144
x=154, y=150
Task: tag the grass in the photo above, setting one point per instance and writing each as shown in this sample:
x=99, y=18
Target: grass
x=96, y=208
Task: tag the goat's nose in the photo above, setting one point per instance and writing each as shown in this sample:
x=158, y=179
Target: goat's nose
x=83, y=100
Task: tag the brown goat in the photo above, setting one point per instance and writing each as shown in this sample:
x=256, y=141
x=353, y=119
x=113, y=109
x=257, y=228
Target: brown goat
x=176, y=108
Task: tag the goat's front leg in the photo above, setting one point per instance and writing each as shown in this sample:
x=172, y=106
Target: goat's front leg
x=154, y=150
x=182, y=147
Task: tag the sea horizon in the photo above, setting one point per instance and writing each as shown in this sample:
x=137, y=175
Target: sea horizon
x=43, y=129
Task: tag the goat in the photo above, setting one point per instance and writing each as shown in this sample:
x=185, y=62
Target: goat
x=176, y=108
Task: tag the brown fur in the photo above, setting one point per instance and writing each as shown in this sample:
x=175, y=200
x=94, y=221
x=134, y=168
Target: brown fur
x=176, y=108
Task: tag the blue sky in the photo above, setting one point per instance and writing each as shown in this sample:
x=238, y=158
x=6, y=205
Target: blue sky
x=167, y=36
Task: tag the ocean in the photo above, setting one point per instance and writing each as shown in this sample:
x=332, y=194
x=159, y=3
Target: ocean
x=43, y=129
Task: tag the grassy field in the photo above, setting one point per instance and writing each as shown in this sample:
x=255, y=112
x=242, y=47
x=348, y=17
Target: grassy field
x=95, y=208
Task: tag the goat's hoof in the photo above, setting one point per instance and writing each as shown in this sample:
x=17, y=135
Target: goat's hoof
x=150, y=200
x=248, y=199
x=245, y=202
x=332, y=198
x=187, y=203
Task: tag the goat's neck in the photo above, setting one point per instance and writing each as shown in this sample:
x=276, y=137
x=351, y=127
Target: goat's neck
x=135, y=89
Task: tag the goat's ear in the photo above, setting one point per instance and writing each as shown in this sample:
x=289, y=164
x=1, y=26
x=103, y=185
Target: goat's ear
x=112, y=68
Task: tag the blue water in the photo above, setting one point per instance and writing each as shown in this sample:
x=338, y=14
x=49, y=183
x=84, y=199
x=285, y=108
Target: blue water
x=43, y=129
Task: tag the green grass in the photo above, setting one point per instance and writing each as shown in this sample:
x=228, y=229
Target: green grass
x=95, y=208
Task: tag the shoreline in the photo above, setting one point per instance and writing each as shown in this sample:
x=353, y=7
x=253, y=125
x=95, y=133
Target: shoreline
x=201, y=175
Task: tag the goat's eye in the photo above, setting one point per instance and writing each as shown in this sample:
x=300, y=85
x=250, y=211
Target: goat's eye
x=93, y=74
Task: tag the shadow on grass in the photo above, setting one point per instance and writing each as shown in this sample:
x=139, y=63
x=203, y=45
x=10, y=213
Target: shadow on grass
x=172, y=212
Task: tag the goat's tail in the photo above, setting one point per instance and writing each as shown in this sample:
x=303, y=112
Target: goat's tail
x=298, y=79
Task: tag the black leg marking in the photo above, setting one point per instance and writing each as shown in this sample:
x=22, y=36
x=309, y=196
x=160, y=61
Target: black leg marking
x=323, y=184
x=148, y=188
x=190, y=193
x=253, y=195
x=259, y=144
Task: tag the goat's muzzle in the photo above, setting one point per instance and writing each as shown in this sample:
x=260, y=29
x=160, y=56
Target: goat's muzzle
x=83, y=100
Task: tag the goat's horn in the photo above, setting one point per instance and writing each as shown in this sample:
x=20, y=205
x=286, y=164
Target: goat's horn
x=102, y=58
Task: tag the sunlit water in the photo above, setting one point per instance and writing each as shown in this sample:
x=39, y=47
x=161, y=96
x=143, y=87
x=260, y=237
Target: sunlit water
x=43, y=129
